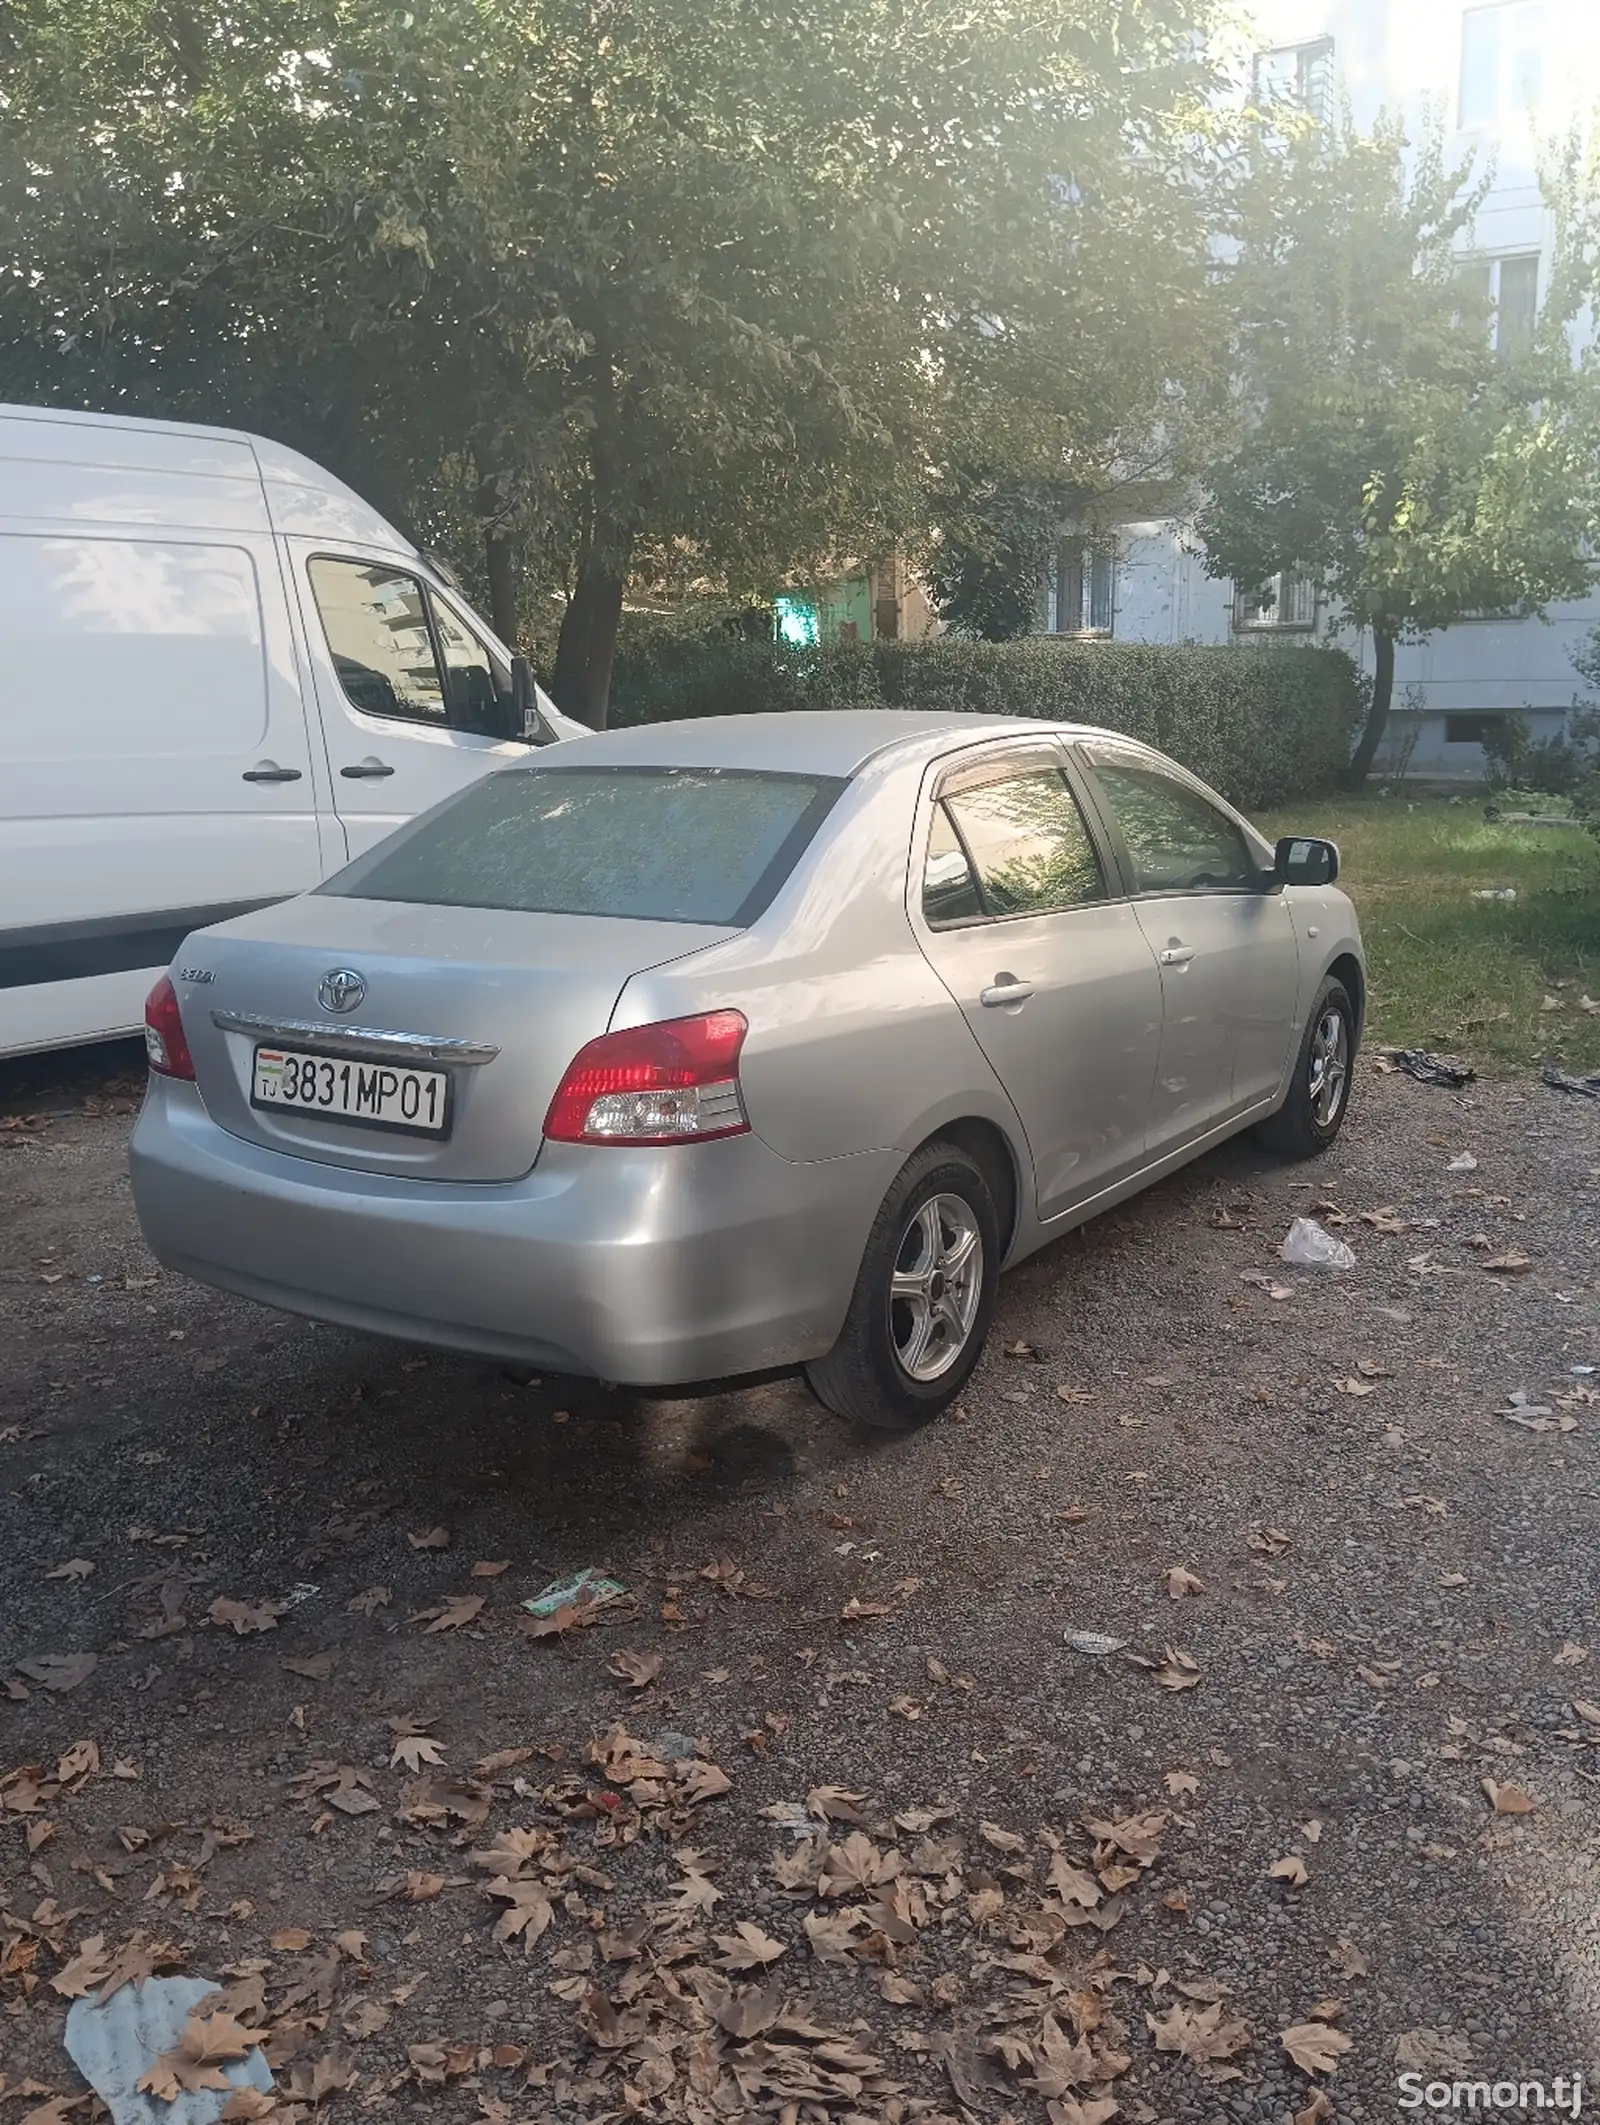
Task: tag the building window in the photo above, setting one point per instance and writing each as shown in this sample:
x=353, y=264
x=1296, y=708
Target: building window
x=1082, y=598
x=1471, y=730
x=1510, y=288
x=1501, y=61
x=1299, y=76
x=1287, y=605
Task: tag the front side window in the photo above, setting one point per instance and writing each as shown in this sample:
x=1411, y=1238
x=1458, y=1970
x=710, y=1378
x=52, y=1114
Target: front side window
x=1298, y=77
x=1027, y=843
x=657, y=844
x=1178, y=842
x=376, y=622
x=477, y=683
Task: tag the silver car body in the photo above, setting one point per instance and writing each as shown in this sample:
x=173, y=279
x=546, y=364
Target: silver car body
x=1152, y=1027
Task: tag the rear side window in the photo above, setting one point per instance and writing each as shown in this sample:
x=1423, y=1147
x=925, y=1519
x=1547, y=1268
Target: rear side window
x=1028, y=842
x=663, y=844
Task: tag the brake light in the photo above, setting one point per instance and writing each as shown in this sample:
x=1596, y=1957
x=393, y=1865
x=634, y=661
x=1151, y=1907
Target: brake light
x=163, y=1032
x=671, y=1083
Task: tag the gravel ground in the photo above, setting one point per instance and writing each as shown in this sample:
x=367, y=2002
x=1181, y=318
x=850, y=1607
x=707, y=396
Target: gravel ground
x=1397, y=1604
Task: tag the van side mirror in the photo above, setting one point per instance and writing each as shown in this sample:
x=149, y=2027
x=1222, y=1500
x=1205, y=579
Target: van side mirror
x=1300, y=859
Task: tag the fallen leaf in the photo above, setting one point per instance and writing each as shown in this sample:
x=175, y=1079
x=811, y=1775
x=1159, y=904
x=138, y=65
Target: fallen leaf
x=747, y=1948
x=1347, y=1959
x=1315, y=2047
x=451, y=1614
x=1181, y=1582
x=59, y=1671
x=486, y=1569
x=1320, y=2107
x=1508, y=1799
x=1180, y=1782
x=1198, y=2035
x=243, y=1617
x=1177, y=1669
x=414, y=1751
x=86, y=1972
x=368, y=1601
x=1353, y=1386
x=194, y=2063
x=316, y=1667
x=637, y=1670
x=431, y=1538
x=1269, y=1541
x=1291, y=1870
x=79, y=1764
x=1068, y=1393
x=1512, y=1263
x=74, y=1568
x=1570, y=1656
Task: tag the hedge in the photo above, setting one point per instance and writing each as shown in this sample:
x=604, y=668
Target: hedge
x=1263, y=725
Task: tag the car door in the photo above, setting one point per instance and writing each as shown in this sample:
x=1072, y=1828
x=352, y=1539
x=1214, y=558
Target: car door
x=407, y=690
x=1222, y=935
x=1020, y=918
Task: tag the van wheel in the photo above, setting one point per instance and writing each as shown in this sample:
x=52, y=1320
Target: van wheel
x=923, y=1300
x=1319, y=1092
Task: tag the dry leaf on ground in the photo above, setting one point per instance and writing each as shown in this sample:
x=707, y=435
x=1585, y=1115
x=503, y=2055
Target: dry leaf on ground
x=1508, y=1799
x=243, y=1617
x=1181, y=1582
x=1315, y=2047
x=1291, y=1869
x=637, y=1670
x=451, y=1614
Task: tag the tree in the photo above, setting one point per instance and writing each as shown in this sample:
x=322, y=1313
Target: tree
x=1386, y=446
x=611, y=280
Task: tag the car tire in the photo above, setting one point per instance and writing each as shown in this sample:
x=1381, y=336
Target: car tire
x=1313, y=1112
x=923, y=1300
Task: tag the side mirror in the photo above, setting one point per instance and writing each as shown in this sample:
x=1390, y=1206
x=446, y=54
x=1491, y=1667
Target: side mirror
x=1299, y=859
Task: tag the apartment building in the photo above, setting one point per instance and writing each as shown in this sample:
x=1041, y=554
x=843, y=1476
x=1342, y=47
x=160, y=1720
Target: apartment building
x=1500, y=77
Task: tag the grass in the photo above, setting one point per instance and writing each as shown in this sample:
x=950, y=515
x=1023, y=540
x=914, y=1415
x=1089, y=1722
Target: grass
x=1469, y=977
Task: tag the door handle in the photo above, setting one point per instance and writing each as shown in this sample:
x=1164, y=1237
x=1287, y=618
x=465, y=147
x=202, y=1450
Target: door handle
x=1177, y=955
x=369, y=770
x=1005, y=991
x=270, y=771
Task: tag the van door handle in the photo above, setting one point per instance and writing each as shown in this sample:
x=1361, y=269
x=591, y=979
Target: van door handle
x=270, y=771
x=369, y=770
x=1177, y=955
x=1003, y=992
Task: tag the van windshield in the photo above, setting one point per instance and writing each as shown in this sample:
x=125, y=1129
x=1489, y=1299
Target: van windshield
x=665, y=844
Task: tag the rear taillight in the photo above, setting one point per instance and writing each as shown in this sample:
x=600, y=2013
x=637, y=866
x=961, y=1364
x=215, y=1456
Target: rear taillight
x=163, y=1032
x=672, y=1083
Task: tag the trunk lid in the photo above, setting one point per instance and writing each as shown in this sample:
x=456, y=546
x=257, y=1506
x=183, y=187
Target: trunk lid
x=532, y=987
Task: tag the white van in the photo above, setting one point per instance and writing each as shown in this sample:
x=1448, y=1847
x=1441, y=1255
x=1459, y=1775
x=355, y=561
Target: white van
x=222, y=676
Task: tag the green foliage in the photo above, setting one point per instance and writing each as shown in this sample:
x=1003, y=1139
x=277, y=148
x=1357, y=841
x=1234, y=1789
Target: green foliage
x=636, y=284
x=996, y=536
x=1384, y=446
x=1260, y=725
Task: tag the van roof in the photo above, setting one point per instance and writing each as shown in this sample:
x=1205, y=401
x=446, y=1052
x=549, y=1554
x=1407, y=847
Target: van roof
x=299, y=495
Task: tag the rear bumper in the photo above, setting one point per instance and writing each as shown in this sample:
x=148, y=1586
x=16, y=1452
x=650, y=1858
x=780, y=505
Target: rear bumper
x=649, y=1266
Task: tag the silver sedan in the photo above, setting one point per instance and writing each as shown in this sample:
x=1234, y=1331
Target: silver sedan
x=704, y=1048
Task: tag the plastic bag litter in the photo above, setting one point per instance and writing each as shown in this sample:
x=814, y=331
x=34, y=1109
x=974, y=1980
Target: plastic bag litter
x=1308, y=1246
x=1430, y=1069
x=1096, y=1644
x=1495, y=892
x=114, y=2045
x=1585, y=1087
x=590, y=1586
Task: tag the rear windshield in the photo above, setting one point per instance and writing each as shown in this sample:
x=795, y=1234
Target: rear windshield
x=669, y=844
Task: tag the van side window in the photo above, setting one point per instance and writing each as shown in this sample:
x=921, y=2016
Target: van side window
x=377, y=627
x=477, y=683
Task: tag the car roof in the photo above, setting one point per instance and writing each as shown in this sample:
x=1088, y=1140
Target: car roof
x=816, y=741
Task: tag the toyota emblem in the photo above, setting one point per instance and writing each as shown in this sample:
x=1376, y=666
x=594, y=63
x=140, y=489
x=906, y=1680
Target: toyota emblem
x=341, y=990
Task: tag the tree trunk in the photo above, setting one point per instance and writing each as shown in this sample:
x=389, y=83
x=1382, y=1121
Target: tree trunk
x=500, y=559
x=1378, y=711
x=586, y=648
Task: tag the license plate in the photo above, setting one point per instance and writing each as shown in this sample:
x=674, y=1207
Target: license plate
x=377, y=1095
